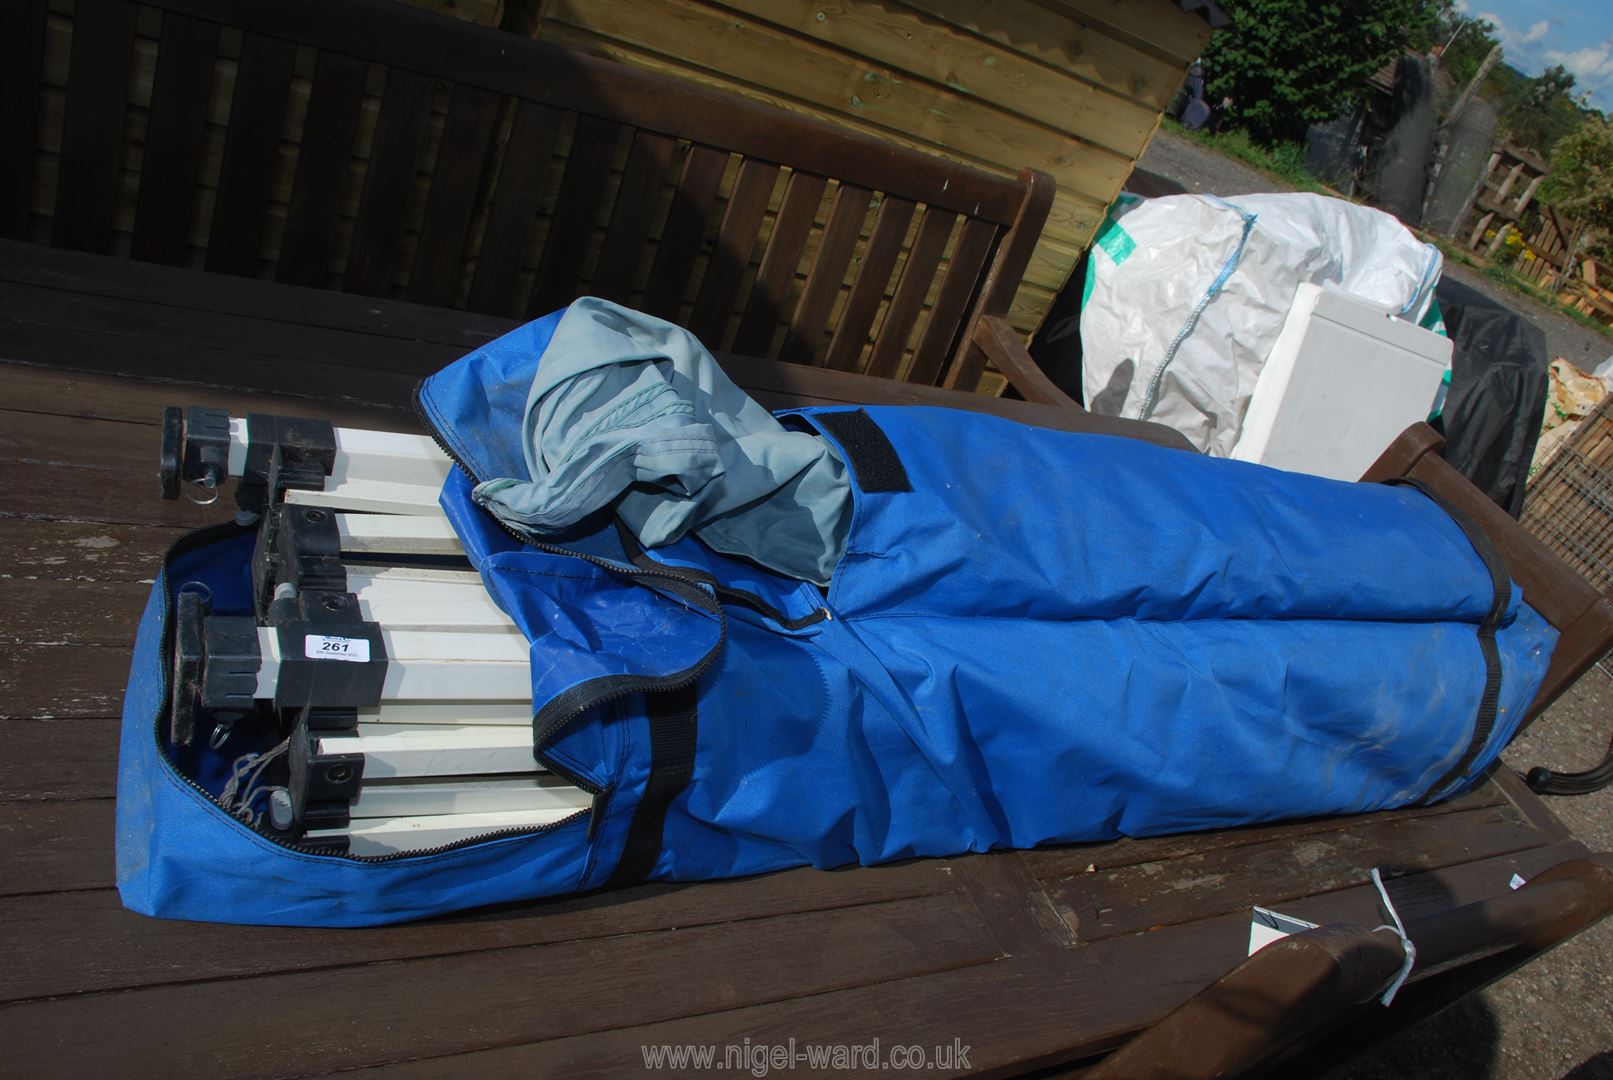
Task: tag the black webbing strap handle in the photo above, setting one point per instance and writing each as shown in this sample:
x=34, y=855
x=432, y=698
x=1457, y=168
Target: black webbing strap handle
x=1501, y=582
x=674, y=724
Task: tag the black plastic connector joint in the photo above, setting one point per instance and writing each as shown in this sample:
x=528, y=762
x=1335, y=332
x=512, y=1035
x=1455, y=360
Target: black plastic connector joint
x=330, y=658
x=320, y=788
x=195, y=454
x=185, y=682
x=283, y=453
x=298, y=546
x=330, y=718
x=216, y=662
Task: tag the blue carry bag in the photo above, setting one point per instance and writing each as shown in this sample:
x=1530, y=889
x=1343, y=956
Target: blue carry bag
x=1031, y=637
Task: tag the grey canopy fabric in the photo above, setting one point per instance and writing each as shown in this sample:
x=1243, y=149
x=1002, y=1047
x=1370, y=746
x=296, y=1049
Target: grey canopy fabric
x=632, y=410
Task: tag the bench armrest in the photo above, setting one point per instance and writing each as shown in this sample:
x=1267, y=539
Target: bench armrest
x=1294, y=990
x=1582, y=615
x=994, y=337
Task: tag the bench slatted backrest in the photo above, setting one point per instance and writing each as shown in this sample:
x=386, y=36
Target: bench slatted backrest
x=370, y=147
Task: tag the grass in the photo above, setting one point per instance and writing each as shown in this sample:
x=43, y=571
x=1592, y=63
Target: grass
x=1286, y=164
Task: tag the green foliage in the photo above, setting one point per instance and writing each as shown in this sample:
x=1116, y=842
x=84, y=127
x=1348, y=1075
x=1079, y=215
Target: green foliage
x=1467, y=42
x=1581, y=182
x=1284, y=162
x=1287, y=64
x=1553, y=83
x=1504, y=277
x=1537, y=112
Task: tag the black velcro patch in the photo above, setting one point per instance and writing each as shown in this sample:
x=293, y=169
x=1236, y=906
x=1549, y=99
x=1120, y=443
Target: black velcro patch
x=868, y=450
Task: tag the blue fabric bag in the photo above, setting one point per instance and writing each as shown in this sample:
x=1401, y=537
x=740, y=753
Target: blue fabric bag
x=1033, y=637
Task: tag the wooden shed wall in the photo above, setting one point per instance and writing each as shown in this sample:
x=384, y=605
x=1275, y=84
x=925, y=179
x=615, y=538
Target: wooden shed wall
x=1072, y=87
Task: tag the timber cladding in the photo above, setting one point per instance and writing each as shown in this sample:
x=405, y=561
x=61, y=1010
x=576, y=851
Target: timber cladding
x=1074, y=88
x=321, y=202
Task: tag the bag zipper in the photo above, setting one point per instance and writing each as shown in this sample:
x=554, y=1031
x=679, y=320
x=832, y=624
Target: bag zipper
x=572, y=703
x=563, y=709
x=229, y=530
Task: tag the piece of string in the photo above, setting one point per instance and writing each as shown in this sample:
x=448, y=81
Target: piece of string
x=243, y=786
x=1405, y=942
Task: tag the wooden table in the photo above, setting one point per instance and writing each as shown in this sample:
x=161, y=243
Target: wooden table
x=1028, y=958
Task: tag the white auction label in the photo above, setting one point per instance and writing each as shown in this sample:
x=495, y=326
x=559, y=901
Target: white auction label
x=320, y=647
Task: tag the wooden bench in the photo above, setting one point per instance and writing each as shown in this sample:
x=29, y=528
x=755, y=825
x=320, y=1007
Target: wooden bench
x=377, y=149
x=1031, y=958
x=1034, y=959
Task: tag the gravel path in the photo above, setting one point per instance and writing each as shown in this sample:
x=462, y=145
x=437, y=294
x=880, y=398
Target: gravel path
x=1578, y=344
x=1203, y=170
x=1554, y=1018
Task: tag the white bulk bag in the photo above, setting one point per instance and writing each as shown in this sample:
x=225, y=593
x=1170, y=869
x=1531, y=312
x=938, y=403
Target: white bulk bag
x=1185, y=295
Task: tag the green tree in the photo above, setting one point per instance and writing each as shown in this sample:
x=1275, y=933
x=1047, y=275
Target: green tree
x=1467, y=42
x=1553, y=83
x=1541, y=110
x=1287, y=64
x=1581, y=182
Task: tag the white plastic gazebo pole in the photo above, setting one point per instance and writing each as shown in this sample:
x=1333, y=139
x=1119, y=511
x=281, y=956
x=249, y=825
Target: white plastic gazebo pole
x=385, y=836
x=467, y=795
x=416, y=750
x=397, y=534
x=403, y=603
x=428, y=666
x=375, y=471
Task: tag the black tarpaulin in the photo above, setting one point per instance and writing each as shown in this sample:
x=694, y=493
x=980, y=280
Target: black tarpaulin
x=1499, y=380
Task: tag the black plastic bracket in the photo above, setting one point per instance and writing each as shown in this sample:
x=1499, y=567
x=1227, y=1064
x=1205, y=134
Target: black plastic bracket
x=195, y=452
x=284, y=452
x=329, y=656
x=173, y=452
x=330, y=718
x=322, y=785
x=216, y=662
x=299, y=546
x=332, y=663
x=320, y=788
x=184, y=683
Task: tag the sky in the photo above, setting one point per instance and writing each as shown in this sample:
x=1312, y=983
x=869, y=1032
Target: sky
x=1535, y=34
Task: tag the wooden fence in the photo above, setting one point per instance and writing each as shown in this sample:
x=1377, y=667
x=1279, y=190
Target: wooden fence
x=1511, y=226
x=1504, y=196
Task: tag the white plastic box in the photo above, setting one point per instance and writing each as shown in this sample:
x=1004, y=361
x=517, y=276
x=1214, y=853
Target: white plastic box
x=1342, y=380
